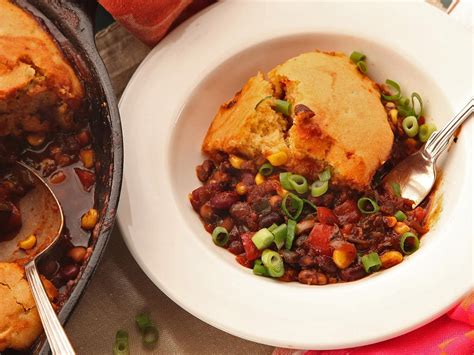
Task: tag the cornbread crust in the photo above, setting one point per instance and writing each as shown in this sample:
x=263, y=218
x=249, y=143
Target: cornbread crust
x=20, y=324
x=36, y=81
x=338, y=119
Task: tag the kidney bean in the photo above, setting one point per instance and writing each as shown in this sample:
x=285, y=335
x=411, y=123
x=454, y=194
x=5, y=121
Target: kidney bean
x=48, y=267
x=347, y=212
x=207, y=213
x=300, y=240
x=289, y=275
x=224, y=200
x=227, y=223
x=312, y=277
x=205, y=170
x=269, y=219
x=326, y=264
x=243, y=213
x=290, y=257
x=306, y=261
x=352, y=273
x=69, y=271
x=236, y=247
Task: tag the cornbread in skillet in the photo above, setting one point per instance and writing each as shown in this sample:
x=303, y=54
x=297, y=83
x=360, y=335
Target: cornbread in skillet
x=337, y=119
x=38, y=88
x=20, y=324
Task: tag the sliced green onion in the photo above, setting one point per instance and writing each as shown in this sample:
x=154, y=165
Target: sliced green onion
x=143, y=320
x=396, y=189
x=404, y=101
x=265, y=98
x=362, y=66
x=283, y=107
x=220, y=236
x=280, y=235
x=409, y=243
x=121, y=343
x=417, y=96
x=298, y=183
x=395, y=86
x=263, y=239
x=273, y=262
x=371, y=262
x=312, y=205
x=405, y=111
x=357, y=57
x=296, y=206
x=325, y=175
x=290, y=234
x=319, y=188
x=400, y=216
x=150, y=335
x=426, y=130
x=410, y=126
x=362, y=204
x=260, y=269
x=266, y=169
x=284, y=180
x=272, y=227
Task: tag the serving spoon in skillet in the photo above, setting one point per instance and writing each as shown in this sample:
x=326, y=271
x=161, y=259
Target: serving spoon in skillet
x=416, y=174
x=42, y=216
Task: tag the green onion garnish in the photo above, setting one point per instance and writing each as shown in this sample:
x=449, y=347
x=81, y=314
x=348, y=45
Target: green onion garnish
x=272, y=227
x=298, y=183
x=362, y=205
x=265, y=98
x=357, y=57
x=410, y=126
x=283, y=107
x=425, y=132
x=362, y=67
x=417, y=96
x=150, y=335
x=319, y=188
x=121, y=343
x=371, y=262
x=263, y=239
x=284, y=180
x=405, y=111
x=400, y=216
x=295, y=207
x=273, y=262
x=220, y=236
x=290, y=234
x=260, y=269
x=280, y=235
x=409, y=243
x=325, y=175
x=266, y=169
x=396, y=189
x=395, y=86
x=404, y=101
x=143, y=320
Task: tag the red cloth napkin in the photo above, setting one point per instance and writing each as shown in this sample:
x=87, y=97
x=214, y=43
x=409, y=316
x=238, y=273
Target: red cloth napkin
x=150, y=21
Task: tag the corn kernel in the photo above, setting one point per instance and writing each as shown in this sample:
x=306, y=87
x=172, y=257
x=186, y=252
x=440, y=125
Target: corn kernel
x=389, y=105
x=87, y=158
x=28, y=243
x=390, y=221
x=89, y=219
x=235, y=161
x=35, y=140
x=278, y=159
x=281, y=191
x=394, y=116
x=241, y=188
x=343, y=257
x=401, y=228
x=391, y=258
x=259, y=179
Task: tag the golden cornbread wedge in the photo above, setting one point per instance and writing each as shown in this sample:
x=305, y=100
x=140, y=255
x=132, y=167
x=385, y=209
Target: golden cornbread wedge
x=38, y=87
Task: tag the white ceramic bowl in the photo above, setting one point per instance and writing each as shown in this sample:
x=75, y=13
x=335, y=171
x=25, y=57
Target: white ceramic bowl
x=167, y=108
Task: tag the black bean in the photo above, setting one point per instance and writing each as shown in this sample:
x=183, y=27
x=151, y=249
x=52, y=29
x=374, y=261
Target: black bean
x=353, y=273
x=267, y=220
x=326, y=264
x=290, y=257
x=205, y=170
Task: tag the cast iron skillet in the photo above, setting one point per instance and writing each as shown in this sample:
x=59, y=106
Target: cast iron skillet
x=71, y=24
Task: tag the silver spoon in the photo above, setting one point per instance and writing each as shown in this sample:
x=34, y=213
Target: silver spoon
x=42, y=215
x=416, y=174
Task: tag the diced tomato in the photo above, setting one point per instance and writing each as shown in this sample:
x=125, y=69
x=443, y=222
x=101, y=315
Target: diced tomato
x=419, y=213
x=251, y=251
x=242, y=260
x=326, y=216
x=86, y=177
x=320, y=236
x=347, y=212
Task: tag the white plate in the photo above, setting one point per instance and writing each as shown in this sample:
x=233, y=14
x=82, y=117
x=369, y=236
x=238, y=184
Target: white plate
x=168, y=106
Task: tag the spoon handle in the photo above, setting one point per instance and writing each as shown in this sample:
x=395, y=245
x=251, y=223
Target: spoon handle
x=57, y=338
x=439, y=140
